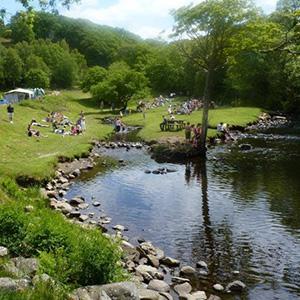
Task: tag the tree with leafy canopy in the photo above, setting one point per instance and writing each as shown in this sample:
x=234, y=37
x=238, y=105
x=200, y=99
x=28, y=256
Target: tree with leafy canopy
x=37, y=78
x=120, y=85
x=92, y=77
x=210, y=26
x=12, y=68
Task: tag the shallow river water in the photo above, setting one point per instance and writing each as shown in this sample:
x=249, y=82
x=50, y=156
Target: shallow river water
x=238, y=211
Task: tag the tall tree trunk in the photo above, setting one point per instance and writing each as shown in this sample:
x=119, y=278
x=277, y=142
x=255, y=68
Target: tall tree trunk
x=206, y=100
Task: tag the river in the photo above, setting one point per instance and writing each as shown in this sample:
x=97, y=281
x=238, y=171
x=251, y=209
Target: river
x=238, y=210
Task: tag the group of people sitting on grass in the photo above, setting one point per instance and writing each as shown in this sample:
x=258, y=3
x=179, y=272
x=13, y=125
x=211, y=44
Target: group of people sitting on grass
x=157, y=102
x=193, y=134
x=60, y=125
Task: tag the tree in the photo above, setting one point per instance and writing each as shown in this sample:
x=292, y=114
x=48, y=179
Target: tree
x=93, y=76
x=12, y=67
x=21, y=26
x=37, y=78
x=210, y=26
x=120, y=84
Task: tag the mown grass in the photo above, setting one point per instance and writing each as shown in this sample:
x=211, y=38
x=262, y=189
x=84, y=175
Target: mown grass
x=230, y=115
x=23, y=156
x=28, y=156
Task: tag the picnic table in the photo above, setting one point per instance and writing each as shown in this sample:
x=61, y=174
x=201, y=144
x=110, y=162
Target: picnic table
x=172, y=125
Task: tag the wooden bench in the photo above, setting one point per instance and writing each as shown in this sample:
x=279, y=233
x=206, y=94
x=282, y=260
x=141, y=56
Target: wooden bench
x=172, y=125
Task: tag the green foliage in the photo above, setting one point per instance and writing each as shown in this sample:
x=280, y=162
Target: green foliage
x=21, y=26
x=68, y=253
x=43, y=290
x=37, y=78
x=12, y=68
x=92, y=77
x=120, y=84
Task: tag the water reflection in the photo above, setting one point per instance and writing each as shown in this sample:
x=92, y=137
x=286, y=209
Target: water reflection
x=236, y=211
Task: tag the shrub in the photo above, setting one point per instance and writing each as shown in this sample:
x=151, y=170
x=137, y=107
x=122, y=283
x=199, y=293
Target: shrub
x=68, y=253
x=13, y=226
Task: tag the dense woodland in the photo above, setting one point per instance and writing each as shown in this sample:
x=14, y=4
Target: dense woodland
x=254, y=58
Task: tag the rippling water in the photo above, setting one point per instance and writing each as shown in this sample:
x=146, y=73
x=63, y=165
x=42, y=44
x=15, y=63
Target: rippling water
x=238, y=211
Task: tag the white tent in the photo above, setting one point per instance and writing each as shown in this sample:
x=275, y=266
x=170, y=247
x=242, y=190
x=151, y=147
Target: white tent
x=18, y=95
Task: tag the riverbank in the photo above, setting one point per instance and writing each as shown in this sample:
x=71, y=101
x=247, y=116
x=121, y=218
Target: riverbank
x=43, y=154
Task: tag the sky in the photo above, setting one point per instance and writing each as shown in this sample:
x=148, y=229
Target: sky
x=146, y=18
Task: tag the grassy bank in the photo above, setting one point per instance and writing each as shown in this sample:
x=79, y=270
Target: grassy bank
x=71, y=255
x=27, y=156
x=151, y=131
x=30, y=157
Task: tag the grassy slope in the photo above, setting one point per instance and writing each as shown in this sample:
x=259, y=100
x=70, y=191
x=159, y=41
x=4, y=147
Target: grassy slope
x=151, y=131
x=23, y=155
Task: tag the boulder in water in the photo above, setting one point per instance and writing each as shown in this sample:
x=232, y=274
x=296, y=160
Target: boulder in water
x=245, y=147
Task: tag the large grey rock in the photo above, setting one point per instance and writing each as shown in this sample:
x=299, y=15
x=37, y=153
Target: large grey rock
x=141, y=269
x=153, y=260
x=113, y=291
x=41, y=278
x=8, y=284
x=26, y=266
x=183, y=288
x=3, y=251
x=200, y=295
x=146, y=294
x=170, y=262
x=23, y=284
x=236, y=286
x=147, y=248
x=187, y=271
x=158, y=285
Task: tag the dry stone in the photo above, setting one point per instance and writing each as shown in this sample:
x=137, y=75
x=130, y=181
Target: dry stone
x=158, y=285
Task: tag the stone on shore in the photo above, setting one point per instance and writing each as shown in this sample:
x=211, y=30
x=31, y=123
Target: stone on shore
x=114, y=291
x=236, y=286
x=202, y=264
x=170, y=262
x=183, y=289
x=187, y=271
x=76, y=201
x=8, y=284
x=3, y=251
x=158, y=285
x=218, y=287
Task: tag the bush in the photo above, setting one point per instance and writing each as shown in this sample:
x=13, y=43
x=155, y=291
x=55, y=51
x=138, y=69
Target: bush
x=67, y=252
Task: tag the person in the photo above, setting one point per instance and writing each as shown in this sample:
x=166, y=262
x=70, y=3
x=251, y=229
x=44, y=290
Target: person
x=82, y=124
x=172, y=117
x=163, y=124
x=35, y=123
x=220, y=127
x=118, y=125
x=188, y=132
x=10, y=113
x=197, y=135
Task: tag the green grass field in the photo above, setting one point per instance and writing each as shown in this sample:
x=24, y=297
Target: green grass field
x=151, y=131
x=28, y=156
